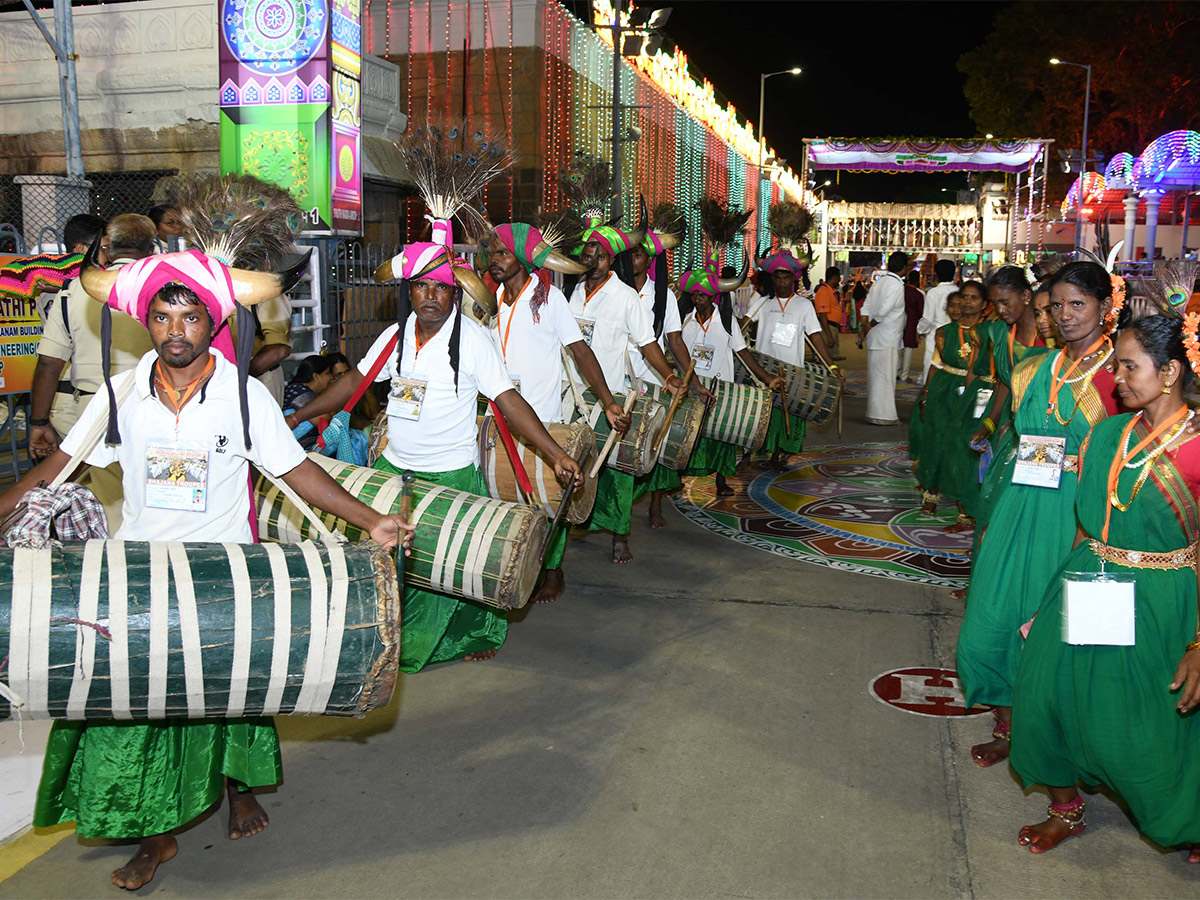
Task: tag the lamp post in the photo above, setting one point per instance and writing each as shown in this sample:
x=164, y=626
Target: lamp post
x=1087, y=103
x=762, y=96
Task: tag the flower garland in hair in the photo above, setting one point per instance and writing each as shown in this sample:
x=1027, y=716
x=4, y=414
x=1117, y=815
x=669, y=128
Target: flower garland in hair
x=1118, y=301
x=1191, y=322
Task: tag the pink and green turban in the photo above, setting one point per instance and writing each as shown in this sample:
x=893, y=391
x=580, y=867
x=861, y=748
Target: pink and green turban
x=781, y=259
x=702, y=281
x=530, y=246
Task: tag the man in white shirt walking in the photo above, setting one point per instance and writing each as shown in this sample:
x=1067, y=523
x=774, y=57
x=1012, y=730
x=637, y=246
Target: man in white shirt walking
x=883, y=313
x=934, y=315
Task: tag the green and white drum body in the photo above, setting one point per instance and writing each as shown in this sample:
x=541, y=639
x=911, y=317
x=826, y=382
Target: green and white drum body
x=740, y=415
x=634, y=451
x=813, y=390
x=682, y=431
x=579, y=442
x=108, y=629
x=465, y=545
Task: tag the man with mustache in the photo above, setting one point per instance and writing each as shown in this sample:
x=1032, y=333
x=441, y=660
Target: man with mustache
x=611, y=316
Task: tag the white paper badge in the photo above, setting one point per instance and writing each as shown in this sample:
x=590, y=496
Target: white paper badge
x=784, y=334
x=177, y=476
x=1039, y=460
x=1099, y=608
x=406, y=398
x=982, y=399
x=587, y=327
x=703, y=355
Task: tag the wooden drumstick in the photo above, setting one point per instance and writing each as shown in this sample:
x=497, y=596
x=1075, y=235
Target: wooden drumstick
x=630, y=399
x=563, y=503
x=675, y=401
x=406, y=481
x=787, y=419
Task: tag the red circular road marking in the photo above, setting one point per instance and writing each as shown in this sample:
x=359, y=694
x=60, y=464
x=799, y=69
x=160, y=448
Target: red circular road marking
x=922, y=691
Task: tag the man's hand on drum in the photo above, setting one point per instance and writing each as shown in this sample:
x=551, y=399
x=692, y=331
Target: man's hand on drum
x=777, y=384
x=566, y=470
x=702, y=392
x=674, y=384
x=389, y=530
x=618, y=419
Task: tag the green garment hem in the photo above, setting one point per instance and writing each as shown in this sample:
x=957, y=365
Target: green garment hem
x=558, y=547
x=712, y=457
x=613, y=510
x=661, y=478
x=777, y=435
x=435, y=627
x=121, y=780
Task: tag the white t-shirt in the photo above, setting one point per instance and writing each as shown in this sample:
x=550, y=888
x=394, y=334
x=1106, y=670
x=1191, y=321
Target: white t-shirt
x=206, y=448
x=782, y=325
x=531, y=350
x=431, y=427
x=615, y=317
x=671, y=325
x=713, y=336
x=885, y=307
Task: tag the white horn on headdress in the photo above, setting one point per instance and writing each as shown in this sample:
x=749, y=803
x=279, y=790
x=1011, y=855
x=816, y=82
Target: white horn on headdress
x=559, y=261
x=390, y=269
x=251, y=287
x=669, y=240
x=728, y=285
x=474, y=288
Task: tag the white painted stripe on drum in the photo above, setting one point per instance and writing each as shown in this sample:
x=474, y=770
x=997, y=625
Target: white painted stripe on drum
x=281, y=645
x=490, y=453
x=354, y=484
x=85, y=637
x=483, y=547
x=339, y=590
x=741, y=410
x=189, y=628
x=437, y=575
x=318, y=621
x=477, y=550
x=39, y=634
x=18, y=642
x=272, y=507
x=539, y=472
x=425, y=501
x=243, y=620
x=118, y=629
x=387, y=496
x=156, y=693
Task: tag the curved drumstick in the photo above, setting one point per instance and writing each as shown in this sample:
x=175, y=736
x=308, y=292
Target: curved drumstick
x=630, y=399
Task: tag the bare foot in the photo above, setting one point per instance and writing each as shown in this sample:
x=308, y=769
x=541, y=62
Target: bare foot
x=1047, y=835
x=778, y=463
x=927, y=510
x=152, y=852
x=960, y=594
x=246, y=817
x=656, y=519
x=960, y=525
x=621, y=554
x=481, y=655
x=723, y=488
x=986, y=755
x=1194, y=854
x=551, y=588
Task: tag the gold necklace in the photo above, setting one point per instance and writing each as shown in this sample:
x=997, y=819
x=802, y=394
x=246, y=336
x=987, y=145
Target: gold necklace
x=1146, y=465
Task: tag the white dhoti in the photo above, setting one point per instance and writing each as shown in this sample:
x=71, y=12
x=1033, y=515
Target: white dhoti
x=881, y=386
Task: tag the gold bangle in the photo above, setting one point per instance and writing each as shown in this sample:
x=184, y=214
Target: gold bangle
x=1193, y=645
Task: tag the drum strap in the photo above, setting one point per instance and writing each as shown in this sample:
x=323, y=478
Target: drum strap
x=368, y=380
x=576, y=391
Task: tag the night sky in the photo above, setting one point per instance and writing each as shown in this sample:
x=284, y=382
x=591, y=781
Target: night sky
x=871, y=69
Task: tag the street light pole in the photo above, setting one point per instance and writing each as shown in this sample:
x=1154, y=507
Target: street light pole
x=1083, y=157
x=762, y=139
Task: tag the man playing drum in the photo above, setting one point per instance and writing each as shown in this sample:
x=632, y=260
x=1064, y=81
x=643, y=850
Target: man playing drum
x=437, y=362
x=533, y=323
x=186, y=411
x=611, y=317
x=785, y=324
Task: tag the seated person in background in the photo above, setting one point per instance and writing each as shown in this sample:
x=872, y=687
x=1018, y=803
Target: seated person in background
x=312, y=376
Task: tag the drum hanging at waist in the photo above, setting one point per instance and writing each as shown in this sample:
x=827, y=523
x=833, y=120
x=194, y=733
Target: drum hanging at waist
x=740, y=415
x=465, y=545
x=577, y=439
x=107, y=629
x=813, y=390
x=682, y=431
x=634, y=451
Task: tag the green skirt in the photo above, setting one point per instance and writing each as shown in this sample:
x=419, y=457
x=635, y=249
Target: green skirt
x=916, y=432
x=712, y=457
x=960, y=466
x=1103, y=714
x=121, y=780
x=1030, y=532
x=661, y=478
x=941, y=419
x=777, y=435
x=613, y=510
x=557, y=548
x=435, y=627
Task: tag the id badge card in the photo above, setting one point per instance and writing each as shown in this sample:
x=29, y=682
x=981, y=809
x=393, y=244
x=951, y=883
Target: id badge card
x=587, y=327
x=1039, y=461
x=982, y=399
x=406, y=398
x=703, y=354
x=1098, y=608
x=177, y=476
x=784, y=334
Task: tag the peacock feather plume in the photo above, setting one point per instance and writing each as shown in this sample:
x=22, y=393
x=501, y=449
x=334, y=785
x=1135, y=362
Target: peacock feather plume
x=587, y=186
x=669, y=218
x=238, y=219
x=1172, y=285
x=723, y=225
x=790, y=222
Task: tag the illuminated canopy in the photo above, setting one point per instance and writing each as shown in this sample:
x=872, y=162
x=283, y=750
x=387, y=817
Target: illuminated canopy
x=1171, y=161
x=923, y=154
x=1118, y=175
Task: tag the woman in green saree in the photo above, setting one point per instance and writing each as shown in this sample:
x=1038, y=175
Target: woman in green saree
x=1057, y=397
x=1117, y=714
x=932, y=420
x=961, y=478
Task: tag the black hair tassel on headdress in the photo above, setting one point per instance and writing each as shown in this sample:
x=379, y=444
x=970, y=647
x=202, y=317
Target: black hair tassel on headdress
x=660, y=292
x=456, y=338
x=113, y=436
x=244, y=349
x=725, y=308
x=403, y=311
x=623, y=267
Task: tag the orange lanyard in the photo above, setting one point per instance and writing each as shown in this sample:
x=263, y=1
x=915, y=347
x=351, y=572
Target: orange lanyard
x=588, y=295
x=1119, y=462
x=1056, y=382
x=169, y=393
x=704, y=325
x=783, y=306
x=1012, y=340
x=421, y=343
x=512, y=304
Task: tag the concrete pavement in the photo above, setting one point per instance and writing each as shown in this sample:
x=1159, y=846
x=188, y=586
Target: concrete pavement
x=695, y=724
